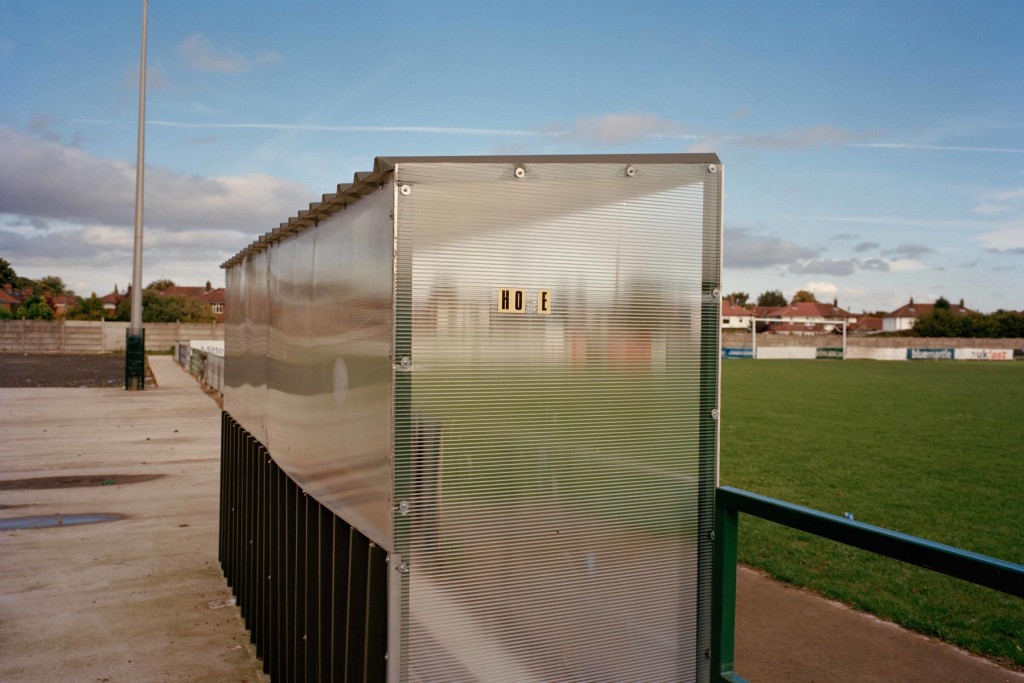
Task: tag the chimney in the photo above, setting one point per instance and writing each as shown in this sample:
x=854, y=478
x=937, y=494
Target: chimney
x=961, y=303
x=911, y=301
x=208, y=287
x=835, y=303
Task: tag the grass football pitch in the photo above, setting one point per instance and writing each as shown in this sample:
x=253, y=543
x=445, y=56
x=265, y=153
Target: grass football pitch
x=933, y=449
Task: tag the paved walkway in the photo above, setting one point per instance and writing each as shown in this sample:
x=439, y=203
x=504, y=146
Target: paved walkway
x=130, y=600
x=125, y=600
x=789, y=635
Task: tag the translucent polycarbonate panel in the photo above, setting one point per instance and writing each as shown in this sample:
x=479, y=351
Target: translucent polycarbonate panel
x=552, y=433
x=246, y=347
x=234, y=319
x=291, y=280
x=329, y=399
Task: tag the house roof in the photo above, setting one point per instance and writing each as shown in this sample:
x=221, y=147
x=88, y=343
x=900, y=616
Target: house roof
x=10, y=296
x=214, y=296
x=817, y=328
x=763, y=311
x=867, y=323
x=915, y=310
x=807, y=309
x=731, y=309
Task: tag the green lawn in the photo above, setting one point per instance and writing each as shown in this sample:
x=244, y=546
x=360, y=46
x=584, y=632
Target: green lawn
x=933, y=449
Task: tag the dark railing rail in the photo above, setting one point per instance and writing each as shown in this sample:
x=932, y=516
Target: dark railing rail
x=1000, y=575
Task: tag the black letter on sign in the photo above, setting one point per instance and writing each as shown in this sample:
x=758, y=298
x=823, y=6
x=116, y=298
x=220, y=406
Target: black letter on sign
x=544, y=302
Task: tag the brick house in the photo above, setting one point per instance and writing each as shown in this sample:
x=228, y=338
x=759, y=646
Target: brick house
x=904, y=317
x=808, y=318
x=735, y=317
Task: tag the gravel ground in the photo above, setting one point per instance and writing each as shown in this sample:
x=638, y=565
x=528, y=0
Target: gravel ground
x=64, y=370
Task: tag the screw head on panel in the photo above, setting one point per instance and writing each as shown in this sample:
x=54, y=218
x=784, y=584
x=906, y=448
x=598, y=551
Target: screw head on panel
x=716, y=292
x=712, y=168
x=405, y=189
x=405, y=363
x=403, y=507
x=630, y=171
x=714, y=413
x=520, y=172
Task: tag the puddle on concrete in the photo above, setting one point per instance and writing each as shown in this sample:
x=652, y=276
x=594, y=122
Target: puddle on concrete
x=44, y=521
x=74, y=481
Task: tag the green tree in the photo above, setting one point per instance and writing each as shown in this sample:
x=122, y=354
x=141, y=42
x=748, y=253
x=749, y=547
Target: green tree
x=5, y=314
x=52, y=284
x=7, y=274
x=739, y=298
x=86, y=309
x=1008, y=325
x=942, y=302
x=942, y=322
x=35, y=308
x=773, y=297
x=157, y=308
x=804, y=296
x=161, y=285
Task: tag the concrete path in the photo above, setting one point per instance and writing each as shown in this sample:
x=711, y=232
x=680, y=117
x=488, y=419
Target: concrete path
x=130, y=600
x=789, y=635
x=125, y=600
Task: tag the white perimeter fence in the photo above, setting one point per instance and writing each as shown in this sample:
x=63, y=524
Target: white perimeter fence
x=204, y=360
x=871, y=348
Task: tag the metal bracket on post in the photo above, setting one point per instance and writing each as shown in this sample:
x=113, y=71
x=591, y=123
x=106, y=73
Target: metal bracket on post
x=135, y=360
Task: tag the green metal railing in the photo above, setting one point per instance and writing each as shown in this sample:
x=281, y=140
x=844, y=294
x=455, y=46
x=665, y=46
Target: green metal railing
x=1007, y=577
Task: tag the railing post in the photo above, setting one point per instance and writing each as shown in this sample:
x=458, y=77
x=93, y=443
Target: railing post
x=723, y=592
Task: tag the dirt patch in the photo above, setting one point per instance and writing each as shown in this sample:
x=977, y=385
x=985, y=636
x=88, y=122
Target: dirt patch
x=74, y=481
x=64, y=370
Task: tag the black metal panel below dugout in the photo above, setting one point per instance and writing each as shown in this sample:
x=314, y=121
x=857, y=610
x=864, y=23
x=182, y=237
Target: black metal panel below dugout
x=312, y=590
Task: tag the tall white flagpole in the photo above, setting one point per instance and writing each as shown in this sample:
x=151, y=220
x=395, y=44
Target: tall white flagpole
x=136, y=321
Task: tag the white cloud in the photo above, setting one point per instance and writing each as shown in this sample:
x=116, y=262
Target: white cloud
x=742, y=249
x=47, y=180
x=905, y=265
x=824, y=266
x=1010, y=239
x=910, y=249
x=825, y=288
x=66, y=212
x=156, y=77
x=200, y=54
x=318, y=128
x=616, y=129
x=1006, y=209
x=798, y=138
x=936, y=148
x=1001, y=203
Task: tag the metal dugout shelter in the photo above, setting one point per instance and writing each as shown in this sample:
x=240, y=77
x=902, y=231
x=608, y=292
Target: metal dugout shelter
x=470, y=423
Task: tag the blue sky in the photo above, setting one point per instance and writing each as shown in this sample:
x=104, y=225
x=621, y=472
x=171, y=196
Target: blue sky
x=873, y=151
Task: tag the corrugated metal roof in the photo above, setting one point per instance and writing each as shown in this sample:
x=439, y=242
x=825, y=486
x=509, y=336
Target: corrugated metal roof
x=364, y=182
